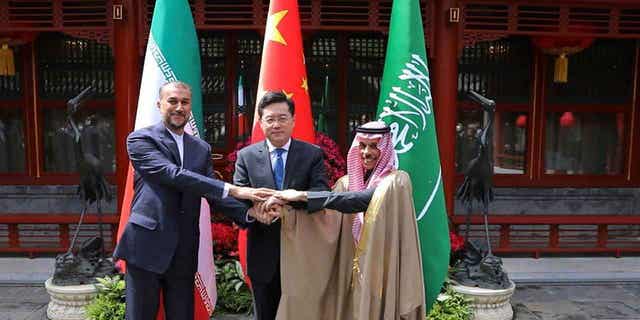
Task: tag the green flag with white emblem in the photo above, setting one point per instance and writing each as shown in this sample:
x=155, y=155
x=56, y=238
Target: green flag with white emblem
x=405, y=104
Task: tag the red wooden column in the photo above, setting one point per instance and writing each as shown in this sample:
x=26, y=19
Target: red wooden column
x=445, y=85
x=127, y=83
x=634, y=145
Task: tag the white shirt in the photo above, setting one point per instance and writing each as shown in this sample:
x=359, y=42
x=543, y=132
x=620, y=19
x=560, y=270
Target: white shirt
x=179, y=138
x=274, y=155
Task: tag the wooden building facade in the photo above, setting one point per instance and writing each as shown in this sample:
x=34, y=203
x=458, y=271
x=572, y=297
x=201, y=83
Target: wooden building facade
x=567, y=154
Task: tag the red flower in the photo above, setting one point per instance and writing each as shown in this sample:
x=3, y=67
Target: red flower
x=457, y=242
x=334, y=163
x=225, y=239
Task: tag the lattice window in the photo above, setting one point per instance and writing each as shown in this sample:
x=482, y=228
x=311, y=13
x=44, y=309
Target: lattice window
x=12, y=119
x=212, y=55
x=12, y=139
x=249, y=46
x=67, y=65
x=366, y=63
x=500, y=69
x=322, y=67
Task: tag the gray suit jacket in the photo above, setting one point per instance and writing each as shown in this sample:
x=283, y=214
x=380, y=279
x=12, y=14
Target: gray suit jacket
x=304, y=170
x=345, y=202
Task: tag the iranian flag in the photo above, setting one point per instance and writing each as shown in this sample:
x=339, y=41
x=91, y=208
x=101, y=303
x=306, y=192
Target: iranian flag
x=405, y=104
x=282, y=69
x=173, y=54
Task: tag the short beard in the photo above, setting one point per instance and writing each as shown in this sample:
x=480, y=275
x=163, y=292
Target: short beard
x=175, y=127
x=171, y=126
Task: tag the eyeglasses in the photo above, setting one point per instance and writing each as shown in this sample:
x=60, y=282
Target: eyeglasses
x=279, y=120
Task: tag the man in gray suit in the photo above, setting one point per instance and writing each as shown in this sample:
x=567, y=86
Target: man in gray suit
x=278, y=162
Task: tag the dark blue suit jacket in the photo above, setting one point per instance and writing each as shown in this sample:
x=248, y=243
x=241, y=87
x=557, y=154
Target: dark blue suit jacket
x=304, y=170
x=165, y=211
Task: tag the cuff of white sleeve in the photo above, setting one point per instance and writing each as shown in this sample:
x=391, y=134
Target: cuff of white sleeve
x=225, y=192
x=249, y=218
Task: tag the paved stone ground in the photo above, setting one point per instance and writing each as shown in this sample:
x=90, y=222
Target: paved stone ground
x=602, y=288
x=23, y=302
x=601, y=301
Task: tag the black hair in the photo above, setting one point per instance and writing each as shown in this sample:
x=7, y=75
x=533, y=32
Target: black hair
x=271, y=97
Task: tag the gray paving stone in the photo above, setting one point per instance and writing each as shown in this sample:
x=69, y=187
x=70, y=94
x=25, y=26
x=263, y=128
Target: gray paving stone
x=23, y=302
x=573, y=302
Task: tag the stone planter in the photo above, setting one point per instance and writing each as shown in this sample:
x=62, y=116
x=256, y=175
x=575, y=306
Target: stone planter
x=68, y=302
x=488, y=304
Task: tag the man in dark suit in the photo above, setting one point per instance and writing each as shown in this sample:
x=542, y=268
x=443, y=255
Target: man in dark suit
x=173, y=171
x=278, y=162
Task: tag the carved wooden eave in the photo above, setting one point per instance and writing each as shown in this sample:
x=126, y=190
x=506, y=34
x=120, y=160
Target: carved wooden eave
x=315, y=16
x=87, y=19
x=491, y=20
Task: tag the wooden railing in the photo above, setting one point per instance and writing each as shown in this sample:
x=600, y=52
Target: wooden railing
x=535, y=234
x=30, y=233
x=538, y=234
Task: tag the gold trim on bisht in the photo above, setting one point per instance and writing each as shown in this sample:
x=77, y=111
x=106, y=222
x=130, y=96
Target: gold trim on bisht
x=370, y=217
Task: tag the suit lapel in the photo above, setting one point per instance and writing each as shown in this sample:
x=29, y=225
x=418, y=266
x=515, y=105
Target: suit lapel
x=170, y=143
x=263, y=161
x=187, y=139
x=290, y=165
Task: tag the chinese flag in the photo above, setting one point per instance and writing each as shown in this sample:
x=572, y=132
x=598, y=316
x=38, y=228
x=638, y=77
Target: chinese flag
x=282, y=69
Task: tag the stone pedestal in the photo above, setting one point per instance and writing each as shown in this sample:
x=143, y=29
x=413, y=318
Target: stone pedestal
x=68, y=302
x=488, y=304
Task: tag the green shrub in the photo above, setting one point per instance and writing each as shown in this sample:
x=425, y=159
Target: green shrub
x=450, y=306
x=110, y=302
x=233, y=293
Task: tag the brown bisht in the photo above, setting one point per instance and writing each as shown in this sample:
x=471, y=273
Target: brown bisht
x=326, y=276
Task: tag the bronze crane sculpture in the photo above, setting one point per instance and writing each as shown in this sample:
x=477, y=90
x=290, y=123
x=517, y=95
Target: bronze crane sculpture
x=478, y=173
x=479, y=267
x=90, y=261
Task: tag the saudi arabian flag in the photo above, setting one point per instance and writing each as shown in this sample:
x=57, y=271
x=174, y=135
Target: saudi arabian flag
x=173, y=54
x=406, y=106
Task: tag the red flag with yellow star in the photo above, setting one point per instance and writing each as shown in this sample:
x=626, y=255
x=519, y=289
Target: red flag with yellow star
x=282, y=69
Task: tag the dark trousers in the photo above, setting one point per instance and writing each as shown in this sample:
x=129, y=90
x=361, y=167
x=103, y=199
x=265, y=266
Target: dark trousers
x=266, y=297
x=143, y=293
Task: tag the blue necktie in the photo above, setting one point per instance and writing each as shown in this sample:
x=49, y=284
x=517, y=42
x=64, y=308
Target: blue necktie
x=278, y=170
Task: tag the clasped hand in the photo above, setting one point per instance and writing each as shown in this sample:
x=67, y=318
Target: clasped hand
x=270, y=210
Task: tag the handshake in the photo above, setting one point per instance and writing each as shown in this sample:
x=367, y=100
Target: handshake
x=267, y=203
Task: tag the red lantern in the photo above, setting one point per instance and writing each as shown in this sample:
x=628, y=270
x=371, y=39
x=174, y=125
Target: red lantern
x=521, y=121
x=562, y=47
x=567, y=120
